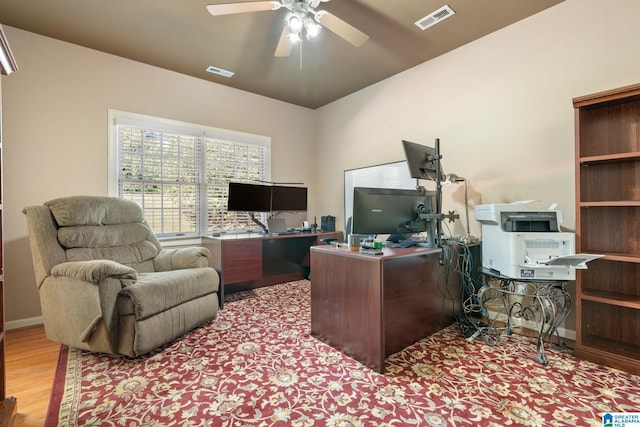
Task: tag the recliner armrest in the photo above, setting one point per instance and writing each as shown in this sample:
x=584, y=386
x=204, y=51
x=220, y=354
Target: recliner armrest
x=94, y=271
x=176, y=259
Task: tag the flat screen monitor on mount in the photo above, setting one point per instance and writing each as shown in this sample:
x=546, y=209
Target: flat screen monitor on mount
x=291, y=199
x=266, y=198
x=422, y=161
x=244, y=197
x=392, y=211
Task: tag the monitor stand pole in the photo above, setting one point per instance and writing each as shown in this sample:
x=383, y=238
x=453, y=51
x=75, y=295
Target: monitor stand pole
x=438, y=195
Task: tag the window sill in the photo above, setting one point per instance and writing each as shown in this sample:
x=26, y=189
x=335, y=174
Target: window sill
x=176, y=241
x=172, y=242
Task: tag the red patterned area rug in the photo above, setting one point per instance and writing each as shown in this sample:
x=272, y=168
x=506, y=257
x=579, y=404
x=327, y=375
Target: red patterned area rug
x=257, y=365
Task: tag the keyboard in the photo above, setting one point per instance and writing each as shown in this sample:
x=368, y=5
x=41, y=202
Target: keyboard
x=284, y=233
x=408, y=243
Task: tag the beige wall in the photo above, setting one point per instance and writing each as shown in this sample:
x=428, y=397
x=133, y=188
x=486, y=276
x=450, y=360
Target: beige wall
x=501, y=107
x=55, y=131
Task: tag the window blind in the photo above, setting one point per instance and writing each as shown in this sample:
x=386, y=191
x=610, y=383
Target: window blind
x=179, y=173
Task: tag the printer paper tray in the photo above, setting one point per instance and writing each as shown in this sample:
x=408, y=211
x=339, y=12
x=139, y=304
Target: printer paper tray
x=576, y=261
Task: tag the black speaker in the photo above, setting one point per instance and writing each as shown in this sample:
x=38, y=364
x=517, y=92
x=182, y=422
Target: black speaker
x=328, y=223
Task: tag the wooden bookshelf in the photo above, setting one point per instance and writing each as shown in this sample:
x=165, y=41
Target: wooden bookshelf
x=607, y=135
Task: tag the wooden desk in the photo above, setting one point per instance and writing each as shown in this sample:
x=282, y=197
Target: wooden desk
x=248, y=261
x=371, y=306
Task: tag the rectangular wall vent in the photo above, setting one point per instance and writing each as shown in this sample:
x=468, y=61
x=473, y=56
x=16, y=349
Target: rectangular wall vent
x=219, y=71
x=433, y=18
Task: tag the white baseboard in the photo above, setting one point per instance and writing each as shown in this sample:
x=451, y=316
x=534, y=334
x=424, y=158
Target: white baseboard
x=569, y=334
x=23, y=323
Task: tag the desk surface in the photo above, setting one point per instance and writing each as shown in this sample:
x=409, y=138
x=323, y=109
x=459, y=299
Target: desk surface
x=240, y=236
x=387, y=253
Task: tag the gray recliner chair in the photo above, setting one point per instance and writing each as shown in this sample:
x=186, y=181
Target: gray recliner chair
x=105, y=283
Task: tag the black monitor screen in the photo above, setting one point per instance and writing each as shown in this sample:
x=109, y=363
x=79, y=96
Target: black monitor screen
x=249, y=197
x=421, y=161
x=391, y=211
x=293, y=199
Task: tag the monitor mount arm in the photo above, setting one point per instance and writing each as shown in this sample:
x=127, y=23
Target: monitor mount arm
x=438, y=216
x=254, y=219
x=451, y=216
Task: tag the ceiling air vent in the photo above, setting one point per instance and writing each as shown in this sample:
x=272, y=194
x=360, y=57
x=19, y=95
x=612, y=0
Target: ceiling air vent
x=433, y=18
x=220, y=71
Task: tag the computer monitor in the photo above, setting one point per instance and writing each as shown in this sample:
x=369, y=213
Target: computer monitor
x=422, y=161
x=292, y=199
x=393, y=211
x=244, y=197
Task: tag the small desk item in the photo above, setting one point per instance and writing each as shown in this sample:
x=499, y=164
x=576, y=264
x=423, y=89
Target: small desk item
x=276, y=225
x=371, y=251
x=371, y=306
x=547, y=303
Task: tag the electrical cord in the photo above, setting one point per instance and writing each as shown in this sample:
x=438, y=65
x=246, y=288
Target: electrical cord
x=470, y=318
x=444, y=286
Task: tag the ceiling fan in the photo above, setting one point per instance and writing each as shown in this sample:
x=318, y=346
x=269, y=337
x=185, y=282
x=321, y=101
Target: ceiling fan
x=301, y=20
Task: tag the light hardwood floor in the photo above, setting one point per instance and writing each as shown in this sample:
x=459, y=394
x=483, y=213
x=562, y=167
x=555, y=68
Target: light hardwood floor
x=31, y=361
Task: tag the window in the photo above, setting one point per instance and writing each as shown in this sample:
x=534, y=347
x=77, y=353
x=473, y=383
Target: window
x=179, y=172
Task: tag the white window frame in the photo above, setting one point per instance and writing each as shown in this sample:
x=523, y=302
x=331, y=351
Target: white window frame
x=174, y=126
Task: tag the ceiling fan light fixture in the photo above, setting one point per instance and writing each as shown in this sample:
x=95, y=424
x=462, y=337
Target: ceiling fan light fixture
x=312, y=28
x=301, y=20
x=293, y=37
x=294, y=22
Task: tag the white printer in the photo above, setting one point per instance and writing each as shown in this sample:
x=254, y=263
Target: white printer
x=527, y=244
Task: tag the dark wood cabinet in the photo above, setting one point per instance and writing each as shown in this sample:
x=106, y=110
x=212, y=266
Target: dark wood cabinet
x=371, y=306
x=240, y=260
x=247, y=261
x=607, y=132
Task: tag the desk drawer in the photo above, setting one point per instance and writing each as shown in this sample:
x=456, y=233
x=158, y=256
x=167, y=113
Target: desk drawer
x=241, y=260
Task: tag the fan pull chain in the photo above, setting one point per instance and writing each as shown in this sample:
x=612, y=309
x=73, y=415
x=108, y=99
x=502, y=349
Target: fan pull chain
x=301, y=43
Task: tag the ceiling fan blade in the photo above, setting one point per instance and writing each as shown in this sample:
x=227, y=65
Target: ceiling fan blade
x=342, y=28
x=285, y=45
x=249, y=6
